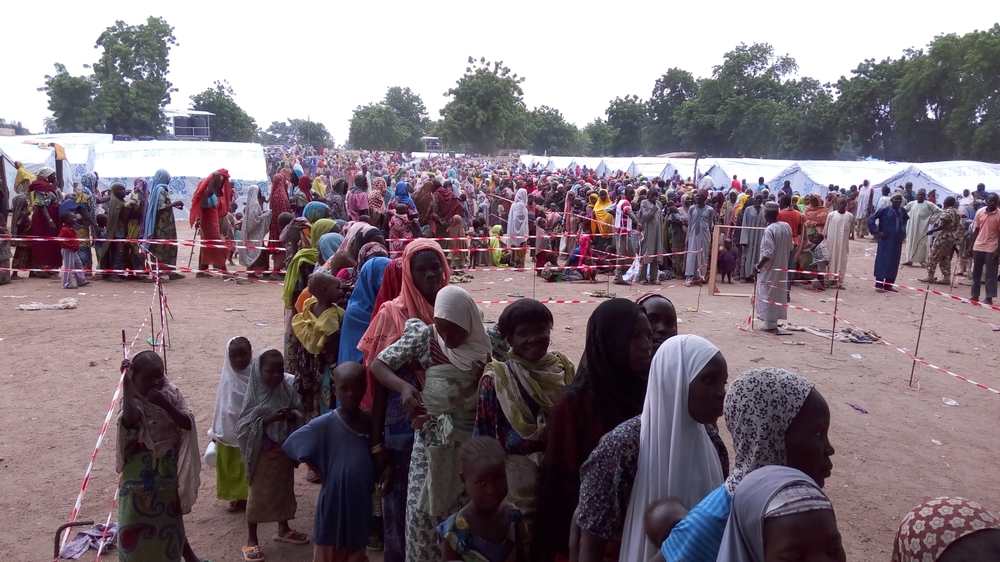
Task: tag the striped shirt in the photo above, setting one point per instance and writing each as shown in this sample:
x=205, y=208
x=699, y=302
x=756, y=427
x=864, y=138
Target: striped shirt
x=698, y=536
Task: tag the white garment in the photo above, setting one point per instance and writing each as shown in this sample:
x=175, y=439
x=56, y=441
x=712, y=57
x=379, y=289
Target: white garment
x=229, y=401
x=864, y=199
x=706, y=183
x=838, y=233
x=622, y=220
x=776, y=245
x=517, y=218
x=676, y=456
x=922, y=215
x=456, y=305
x=256, y=223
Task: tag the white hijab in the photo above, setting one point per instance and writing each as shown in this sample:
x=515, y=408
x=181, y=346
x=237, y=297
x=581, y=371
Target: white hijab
x=229, y=400
x=456, y=305
x=517, y=218
x=676, y=457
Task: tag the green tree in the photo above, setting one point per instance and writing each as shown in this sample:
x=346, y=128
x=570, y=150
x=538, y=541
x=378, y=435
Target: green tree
x=807, y=126
x=127, y=89
x=865, y=106
x=71, y=101
x=486, y=111
x=377, y=127
x=19, y=128
x=408, y=106
x=230, y=123
x=626, y=118
x=599, y=136
x=549, y=132
x=296, y=131
x=670, y=91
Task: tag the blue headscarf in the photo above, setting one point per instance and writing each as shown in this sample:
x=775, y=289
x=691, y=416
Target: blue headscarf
x=159, y=183
x=329, y=243
x=403, y=194
x=360, y=308
x=315, y=210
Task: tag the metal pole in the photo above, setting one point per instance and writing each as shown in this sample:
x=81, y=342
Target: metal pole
x=919, y=332
x=836, y=302
x=194, y=243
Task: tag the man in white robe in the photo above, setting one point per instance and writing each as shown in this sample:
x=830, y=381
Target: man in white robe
x=749, y=238
x=839, y=226
x=866, y=205
x=775, y=249
x=922, y=214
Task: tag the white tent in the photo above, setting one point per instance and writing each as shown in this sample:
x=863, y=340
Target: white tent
x=525, y=160
x=815, y=176
x=609, y=166
x=590, y=163
x=660, y=170
x=559, y=163
x=948, y=178
x=649, y=161
x=33, y=156
x=749, y=169
x=187, y=162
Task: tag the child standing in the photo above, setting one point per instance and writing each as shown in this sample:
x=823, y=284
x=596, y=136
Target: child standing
x=70, y=253
x=271, y=412
x=335, y=445
x=158, y=460
x=400, y=230
x=727, y=261
x=478, y=243
x=487, y=529
x=230, y=475
x=820, y=260
x=317, y=331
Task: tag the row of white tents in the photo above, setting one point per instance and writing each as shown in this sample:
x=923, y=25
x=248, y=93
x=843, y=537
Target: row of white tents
x=805, y=176
x=187, y=161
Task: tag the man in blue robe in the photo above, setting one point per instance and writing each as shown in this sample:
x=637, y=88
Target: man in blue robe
x=888, y=226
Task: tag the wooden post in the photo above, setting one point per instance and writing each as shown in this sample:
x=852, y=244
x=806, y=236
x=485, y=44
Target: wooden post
x=59, y=177
x=713, y=264
x=919, y=332
x=836, y=302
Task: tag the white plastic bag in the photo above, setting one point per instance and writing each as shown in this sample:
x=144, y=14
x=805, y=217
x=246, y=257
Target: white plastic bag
x=210, y=454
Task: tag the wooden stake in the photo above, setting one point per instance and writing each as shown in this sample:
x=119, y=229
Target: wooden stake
x=753, y=300
x=919, y=332
x=193, y=244
x=836, y=301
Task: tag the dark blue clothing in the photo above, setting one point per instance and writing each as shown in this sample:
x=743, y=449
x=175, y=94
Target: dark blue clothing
x=344, y=507
x=890, y=249
x=71, y=206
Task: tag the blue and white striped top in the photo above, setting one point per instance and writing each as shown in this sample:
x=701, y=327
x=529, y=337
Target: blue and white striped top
x=697, y=537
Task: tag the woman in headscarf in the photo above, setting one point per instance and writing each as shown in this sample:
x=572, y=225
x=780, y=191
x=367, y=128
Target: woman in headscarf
x=159, y=224
x=376, y=202
x=452, y=350
x=775, y=418
x=85, y=232
x=496, y=246
x=256, y=222
x=604, y=217
x=135, y=209
x=315, y=210
x=45, y=200
x=816, y=214
x=299, y=269
x=458, y=256
x=402, y=195
x=318, y=187
x=516, y=398
x=446, y=206
x=360, y=308
x=424, y=199
x=335, y=200
x=394, y=409
x=279, y=205
x=20, y=219
x=517, y=228
x=777, y=509
x=301, y=196
x=609, y=388
x=209, y=204
x=948, y=529
x=357, y=199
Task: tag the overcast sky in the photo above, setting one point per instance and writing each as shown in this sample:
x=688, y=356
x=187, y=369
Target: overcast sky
x=323, y=59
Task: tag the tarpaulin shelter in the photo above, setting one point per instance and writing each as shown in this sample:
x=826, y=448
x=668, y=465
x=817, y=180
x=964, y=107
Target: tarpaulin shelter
x=948, y=178
x=816, y=176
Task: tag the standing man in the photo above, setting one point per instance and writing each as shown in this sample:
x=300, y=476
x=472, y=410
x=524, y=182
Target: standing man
x=980, y=193
x=775, y=247
x=922, y=213
x=701, y=219
x=888, y=226
x=864, y=208
x=749, y=239
x=839, y=227
x=736, y=184
x=908, y=193
x=624, y=245
x=949, y=225
x=985, y=248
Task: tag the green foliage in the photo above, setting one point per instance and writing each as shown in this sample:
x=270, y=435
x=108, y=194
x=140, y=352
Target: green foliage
x=626, y=118
x=127, y=88
x=486, y=111
x=670, y=91
x=548, y=132
x=19, y=129
x=396, y=123
x=296, y=131
x=230, y=123
x=599, y=134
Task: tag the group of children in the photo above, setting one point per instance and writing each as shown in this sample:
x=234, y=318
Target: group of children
x=815, y=258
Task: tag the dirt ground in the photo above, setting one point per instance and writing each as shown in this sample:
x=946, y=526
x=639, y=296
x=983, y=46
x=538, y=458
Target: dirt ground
x=60, y=368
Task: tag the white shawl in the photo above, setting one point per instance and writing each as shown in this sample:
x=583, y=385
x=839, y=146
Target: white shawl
x=229, y=401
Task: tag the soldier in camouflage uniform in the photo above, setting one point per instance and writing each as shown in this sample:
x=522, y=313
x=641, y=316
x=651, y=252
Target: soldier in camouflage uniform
x=949, y=224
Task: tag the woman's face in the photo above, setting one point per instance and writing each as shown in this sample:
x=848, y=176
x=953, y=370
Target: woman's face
x=807, y=444
x=530, y=340
x=427, y=273
x=662, y=319
x=707, y=392
x=452, y=334
x=640, y=351
x=272, y=372
x=811, y=535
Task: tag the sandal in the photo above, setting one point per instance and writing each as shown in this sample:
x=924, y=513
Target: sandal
x=253, y=554
x=291, y=537
x=237, y=506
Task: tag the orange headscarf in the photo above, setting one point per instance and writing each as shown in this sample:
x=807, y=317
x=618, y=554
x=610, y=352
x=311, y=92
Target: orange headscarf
x=202, y=192
x=389, y=320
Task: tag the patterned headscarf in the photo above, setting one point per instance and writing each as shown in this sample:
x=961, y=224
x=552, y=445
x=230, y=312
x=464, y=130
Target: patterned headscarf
x=376, y=199
x=932, y=526
x=760, y=405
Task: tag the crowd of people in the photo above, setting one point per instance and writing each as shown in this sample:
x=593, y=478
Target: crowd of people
x=434, y=436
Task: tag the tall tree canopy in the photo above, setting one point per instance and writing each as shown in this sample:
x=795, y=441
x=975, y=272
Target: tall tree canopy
x=549, y=132
x=230, y=122
x=486, y=111
x=626, y=118
x=128, y=86
x=296, y=131
x=395, y=123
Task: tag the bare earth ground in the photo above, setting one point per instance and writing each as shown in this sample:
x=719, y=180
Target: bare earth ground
x=52, y=402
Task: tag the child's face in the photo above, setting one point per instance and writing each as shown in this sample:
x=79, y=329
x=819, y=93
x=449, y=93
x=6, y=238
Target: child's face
x=147, y=379
x=486, y=483
x=452, y=334
x=728, y=244
x=240, y=355
x=350, y=384
x=272, y=371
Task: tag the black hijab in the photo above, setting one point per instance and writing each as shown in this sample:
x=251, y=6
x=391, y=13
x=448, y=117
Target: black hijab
x=604, y=375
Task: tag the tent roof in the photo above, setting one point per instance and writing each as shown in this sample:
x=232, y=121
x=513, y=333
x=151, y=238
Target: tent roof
x=245, y=161
x=949, y=177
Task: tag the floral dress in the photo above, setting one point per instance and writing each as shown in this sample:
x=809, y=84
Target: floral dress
x=455, y=530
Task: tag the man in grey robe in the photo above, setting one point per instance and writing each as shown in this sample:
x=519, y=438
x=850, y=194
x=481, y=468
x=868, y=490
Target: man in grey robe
x=775, y=248
x=749, y=240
